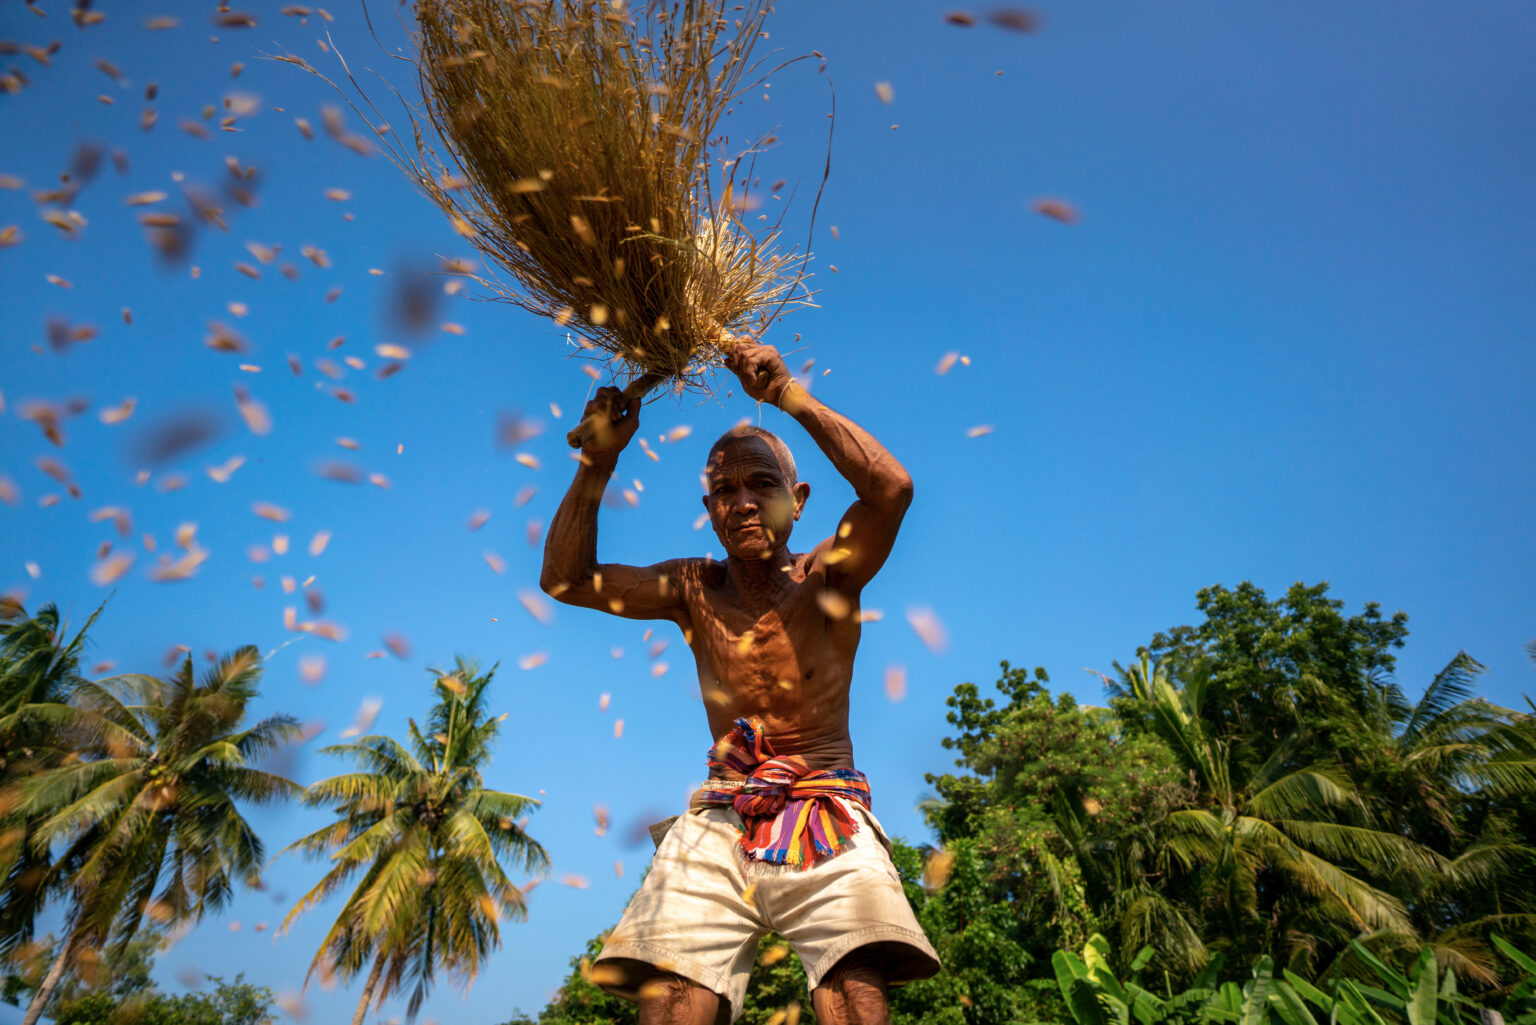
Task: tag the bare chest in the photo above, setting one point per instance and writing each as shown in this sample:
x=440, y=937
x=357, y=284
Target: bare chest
x=761, y=641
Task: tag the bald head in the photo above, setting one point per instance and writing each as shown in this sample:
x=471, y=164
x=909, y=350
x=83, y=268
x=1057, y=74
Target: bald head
x=780, y=450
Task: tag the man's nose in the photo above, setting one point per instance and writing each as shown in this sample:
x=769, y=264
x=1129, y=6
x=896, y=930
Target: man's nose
x=743, y=499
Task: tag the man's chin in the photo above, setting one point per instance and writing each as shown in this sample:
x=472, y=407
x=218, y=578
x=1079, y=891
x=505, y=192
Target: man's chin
x=752, y=549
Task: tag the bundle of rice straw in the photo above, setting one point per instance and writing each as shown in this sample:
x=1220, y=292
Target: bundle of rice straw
x=578, y=158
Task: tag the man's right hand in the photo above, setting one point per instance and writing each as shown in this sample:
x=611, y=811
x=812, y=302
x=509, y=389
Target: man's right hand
x=616, y=423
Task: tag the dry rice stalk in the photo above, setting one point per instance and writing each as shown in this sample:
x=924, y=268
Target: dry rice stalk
x=577, y=156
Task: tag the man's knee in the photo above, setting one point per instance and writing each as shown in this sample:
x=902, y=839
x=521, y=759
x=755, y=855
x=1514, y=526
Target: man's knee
x=668, y=999
x=853, y=992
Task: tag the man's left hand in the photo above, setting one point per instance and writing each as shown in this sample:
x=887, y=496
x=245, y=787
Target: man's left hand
x=761, y=370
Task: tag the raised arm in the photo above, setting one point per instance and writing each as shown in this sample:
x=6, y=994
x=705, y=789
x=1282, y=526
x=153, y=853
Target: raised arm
x=571, y=571
x=868, y=529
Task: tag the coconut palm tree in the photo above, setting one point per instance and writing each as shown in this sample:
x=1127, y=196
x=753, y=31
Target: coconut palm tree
x=1452, y=770
x=150, y=800
x=1277, y=856
x=39, y=670
x=1444, y=748
x=36, y=666
x=418, y=825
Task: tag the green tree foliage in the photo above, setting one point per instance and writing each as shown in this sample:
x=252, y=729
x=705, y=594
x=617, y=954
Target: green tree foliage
x=1276, y=668
x=1063, y=808
x=989, y=972
x=426, y=837
x=116, y=989
x=149, y=802
x=234, y=1002
x=119, y=971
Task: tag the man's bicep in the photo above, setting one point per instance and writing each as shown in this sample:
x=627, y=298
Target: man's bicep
x=863, y=541
x=635, y=592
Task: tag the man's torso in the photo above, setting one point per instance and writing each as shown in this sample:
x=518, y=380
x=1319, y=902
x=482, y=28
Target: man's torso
x=777, y=655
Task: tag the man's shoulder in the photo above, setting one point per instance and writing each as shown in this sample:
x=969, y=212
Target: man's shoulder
x=705, y=570
x=689, y=570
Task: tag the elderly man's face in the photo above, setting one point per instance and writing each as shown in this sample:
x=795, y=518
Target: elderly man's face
x=751, y=504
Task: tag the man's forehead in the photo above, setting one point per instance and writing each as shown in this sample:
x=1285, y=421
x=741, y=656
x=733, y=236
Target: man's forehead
x=750, y=450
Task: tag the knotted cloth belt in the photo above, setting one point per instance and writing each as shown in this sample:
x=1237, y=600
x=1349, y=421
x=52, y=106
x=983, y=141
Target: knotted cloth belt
x=790, y=812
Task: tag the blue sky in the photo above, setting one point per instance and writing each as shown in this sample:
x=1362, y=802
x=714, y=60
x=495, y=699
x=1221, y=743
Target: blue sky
x=1289, y=338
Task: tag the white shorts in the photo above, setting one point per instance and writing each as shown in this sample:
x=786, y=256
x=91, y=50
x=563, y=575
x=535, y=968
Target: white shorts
x=703, y=909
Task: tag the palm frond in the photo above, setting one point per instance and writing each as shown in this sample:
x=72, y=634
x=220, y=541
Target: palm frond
x=118, y=699
x=1488, y=861
x=1453, y=685
x=1147, y=918
x=269, y=735
x=378, y=840
x=1366, y=905
x=1375, y=850
x=72, y=797
x=378, y=753
x=330, y=883
x=365, y=791
x=1311, y=792
x=1504, y=775
x=398, y=885
x=257, y=786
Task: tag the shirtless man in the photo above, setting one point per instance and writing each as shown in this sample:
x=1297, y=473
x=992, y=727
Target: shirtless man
x=780, y=837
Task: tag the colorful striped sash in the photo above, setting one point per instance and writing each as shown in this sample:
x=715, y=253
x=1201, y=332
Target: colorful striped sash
x=790, y=812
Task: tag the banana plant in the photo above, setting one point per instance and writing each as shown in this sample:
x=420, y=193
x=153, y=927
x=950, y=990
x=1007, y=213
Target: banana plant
x=1425, y=995
x=1094, y=996
x=1347, y=1005
x=1520, y=1004
x=1248, y=1004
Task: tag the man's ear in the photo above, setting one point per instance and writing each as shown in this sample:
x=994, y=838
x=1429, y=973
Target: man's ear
x=705, y=500
x=802, y=493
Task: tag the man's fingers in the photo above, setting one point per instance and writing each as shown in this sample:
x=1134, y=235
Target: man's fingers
x=754, y=363
x=607, y=401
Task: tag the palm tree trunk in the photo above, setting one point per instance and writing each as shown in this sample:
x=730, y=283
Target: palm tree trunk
x=54, y=977
x=372, y=984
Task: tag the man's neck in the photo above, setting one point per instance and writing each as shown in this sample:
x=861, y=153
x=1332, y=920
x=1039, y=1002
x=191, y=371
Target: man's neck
x=761, y=579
